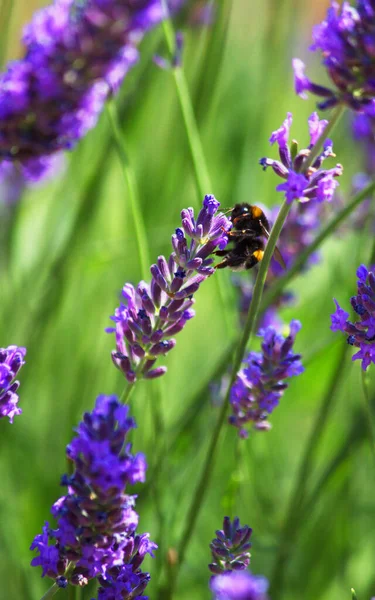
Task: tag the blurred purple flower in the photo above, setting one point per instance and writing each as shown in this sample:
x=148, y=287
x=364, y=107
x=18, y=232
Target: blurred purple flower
x=231, y=548
x=151, y=314
x=15, y=177
x=11, y=360
x=96, y=520
x=261, y=383
x=239, y=585
x=300, y=184
x=346, y=40
x=361, y=334
x=76, y=55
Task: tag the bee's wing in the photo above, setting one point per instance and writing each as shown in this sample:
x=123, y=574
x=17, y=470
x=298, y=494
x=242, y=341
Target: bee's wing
x=277, y=253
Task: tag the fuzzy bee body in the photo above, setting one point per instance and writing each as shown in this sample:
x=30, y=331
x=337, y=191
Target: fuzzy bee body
x=250, y=225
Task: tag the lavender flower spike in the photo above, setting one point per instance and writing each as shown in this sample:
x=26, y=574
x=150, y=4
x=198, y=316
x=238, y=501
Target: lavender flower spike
x=304, y=185
x=11, y=360
x=261, y=383
x=151, y=314
x=230, y=549
x=361, y=334
x=346, y=40
x=76, y=55
x=239, y=585
x=96, y=520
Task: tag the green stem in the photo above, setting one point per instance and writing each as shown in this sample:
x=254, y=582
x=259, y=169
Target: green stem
x=127, y=392
x=131, y=183
x=202, y=177
x=204, y=480
x=292, y=520
x=317, y=148
x=368, y=413
x=199, y=162
x=279, y=285
x=51, y=592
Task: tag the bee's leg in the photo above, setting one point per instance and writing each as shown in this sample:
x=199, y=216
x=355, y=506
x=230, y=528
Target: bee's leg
x=256, y=256
x=222, y=264
x=237, y=263
x=221, y=252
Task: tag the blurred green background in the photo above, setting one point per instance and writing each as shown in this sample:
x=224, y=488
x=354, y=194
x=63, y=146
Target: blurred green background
x=67, y=249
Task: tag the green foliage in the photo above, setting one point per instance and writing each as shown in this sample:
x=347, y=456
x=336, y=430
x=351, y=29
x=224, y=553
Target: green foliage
x=69, y=247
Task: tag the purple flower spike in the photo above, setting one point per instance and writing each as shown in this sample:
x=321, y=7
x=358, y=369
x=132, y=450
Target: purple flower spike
x=361, y=334
x=11, y=360
x=300, y=183
x=231, y=548
x=152, y=313
x=76, y=55
x=96, y=520
x=346, y=42
x=239, y=585
x=261, y=383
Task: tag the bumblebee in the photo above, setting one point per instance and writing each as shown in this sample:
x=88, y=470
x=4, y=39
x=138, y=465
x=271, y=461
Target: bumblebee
x=249, y=226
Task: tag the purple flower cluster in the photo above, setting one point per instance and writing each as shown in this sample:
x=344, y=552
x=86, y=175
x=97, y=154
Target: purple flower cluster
x=11, y=360
x=239, y=585
x=313, y=183
x=361, y=334
x=261, y=383
x=230, y=549
x=96, y=521
x=76, y=54
x=346, y=39
x=152, y=313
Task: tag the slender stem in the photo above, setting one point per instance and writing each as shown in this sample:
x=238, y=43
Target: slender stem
x=127, y=392
x=51, y=592
x=301, y=260
x=202, y=177
x=317, y=148
x=368, y=411
x=131, y=183
x=204, y=480
x=293, y=513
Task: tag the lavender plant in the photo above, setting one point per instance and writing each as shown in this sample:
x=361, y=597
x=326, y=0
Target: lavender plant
x=96, y=534
x=261, y=383
x=76, y=56
x=230, y=549
x=346, y=41
x=361, y=334
x=11, y=360
x=231, y=557
x=152, y=313
x=304, y=181
x=96, y=539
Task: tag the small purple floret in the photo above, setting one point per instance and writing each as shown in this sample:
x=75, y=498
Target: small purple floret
x=11, y=360
x=361, y=333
